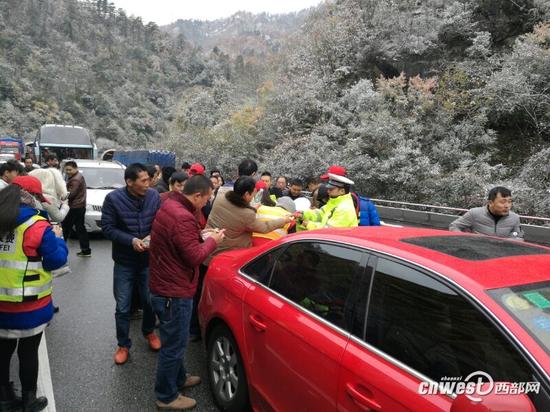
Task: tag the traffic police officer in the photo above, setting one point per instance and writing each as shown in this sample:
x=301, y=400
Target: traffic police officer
x=339, y=210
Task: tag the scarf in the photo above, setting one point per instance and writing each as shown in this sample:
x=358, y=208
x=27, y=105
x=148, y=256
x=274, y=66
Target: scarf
x=29, y=200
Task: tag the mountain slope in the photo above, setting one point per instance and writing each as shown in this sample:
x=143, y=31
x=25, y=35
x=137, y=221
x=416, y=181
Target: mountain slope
x=241, y=34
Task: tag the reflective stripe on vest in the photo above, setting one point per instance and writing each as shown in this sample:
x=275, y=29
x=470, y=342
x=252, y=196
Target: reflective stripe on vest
x=22, y=277
x=27, y=291
x=11, y=264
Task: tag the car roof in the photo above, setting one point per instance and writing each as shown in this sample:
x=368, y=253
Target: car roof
x=106, y=164
x=520, y=263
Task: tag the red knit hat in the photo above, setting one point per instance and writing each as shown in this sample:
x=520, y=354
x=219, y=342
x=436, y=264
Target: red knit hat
x=196, y=169
x=261, y=185
x=32, y=185
x=335, y=170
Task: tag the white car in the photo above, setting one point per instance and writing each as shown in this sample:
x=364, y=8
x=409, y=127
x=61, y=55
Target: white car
x=102, y=177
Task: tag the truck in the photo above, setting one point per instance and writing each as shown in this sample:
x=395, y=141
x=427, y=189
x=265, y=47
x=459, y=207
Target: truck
x=11, y=148
x=66, y=142
x=157, y=157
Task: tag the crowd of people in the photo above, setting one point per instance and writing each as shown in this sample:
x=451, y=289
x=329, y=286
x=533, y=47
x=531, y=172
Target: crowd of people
x=165, y=225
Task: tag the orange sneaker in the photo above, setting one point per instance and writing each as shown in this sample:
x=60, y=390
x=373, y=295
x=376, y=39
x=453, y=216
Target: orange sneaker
x=121, y=355
x=153, y=341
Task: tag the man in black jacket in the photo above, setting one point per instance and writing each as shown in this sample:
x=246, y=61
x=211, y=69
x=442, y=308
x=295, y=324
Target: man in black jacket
x=76, y=186
x=127, y=218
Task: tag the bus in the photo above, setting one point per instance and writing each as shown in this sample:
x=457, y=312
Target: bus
x=66, y=142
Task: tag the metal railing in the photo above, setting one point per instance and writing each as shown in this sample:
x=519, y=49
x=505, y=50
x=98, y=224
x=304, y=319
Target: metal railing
x=435, y=208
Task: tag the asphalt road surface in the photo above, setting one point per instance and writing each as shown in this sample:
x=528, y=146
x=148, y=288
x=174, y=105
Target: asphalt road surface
x=81, y=342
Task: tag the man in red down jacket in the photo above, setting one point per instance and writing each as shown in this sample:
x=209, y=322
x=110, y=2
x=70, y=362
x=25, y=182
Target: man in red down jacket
x=177, y=249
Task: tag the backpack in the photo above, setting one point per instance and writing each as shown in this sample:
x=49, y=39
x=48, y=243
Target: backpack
x=366, y=210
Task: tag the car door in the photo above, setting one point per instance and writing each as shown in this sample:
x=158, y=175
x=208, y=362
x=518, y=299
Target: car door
x=295, y=329
x=371, y=380
x=418, y=330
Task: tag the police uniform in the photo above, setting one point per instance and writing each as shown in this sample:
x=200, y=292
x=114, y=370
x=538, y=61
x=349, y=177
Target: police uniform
x=338, y=212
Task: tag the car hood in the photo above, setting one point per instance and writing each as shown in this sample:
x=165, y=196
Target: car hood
x=97, y=196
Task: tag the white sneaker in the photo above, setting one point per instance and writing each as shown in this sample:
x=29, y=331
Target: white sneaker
x=63, y=270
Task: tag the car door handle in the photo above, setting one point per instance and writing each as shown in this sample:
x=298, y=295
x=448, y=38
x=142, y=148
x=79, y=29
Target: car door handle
x=361, y=399
x=257, y=323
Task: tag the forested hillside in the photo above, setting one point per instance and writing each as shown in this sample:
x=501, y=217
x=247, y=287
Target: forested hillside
x=243, y=33
x=430, y=101
x=85, y=63
x=423, y=100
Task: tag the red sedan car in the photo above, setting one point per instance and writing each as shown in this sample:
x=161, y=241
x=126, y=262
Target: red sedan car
x=379, y=319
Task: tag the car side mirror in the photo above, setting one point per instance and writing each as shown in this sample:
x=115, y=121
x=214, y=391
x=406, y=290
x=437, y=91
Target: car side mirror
x=493, y=402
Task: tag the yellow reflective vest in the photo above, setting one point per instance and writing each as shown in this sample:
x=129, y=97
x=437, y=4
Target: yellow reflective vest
x=266, y=213
x=22, y=278
x=338, y=212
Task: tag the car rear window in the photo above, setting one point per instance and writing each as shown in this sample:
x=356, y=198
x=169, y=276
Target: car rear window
x=474, y=247
x=530, y=306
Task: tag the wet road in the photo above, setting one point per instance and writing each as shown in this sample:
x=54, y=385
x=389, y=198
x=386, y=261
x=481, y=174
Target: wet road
x=81, y=342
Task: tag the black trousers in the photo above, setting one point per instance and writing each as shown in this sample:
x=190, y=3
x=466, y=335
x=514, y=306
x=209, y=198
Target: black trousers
x=27, y=352
x=75, y=218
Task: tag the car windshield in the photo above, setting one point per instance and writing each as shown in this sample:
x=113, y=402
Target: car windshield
x=530, y=306
x=476, y=247
x=103, y=178
x=67, y=152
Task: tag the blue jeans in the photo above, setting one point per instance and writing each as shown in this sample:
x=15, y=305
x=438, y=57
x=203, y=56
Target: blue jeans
x=124, y=278
x=174, y=315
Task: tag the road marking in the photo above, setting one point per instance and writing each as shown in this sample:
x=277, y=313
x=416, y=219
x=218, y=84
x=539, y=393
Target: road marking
x=45, y=386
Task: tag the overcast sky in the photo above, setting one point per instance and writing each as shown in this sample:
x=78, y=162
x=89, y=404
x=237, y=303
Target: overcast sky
x=168, y=11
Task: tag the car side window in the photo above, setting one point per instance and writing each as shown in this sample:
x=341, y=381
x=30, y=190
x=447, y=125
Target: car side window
x=260, y=269
x=432, y=329
x=320, y=277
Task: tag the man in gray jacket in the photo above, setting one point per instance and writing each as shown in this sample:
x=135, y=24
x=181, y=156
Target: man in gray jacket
x=495, y=219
